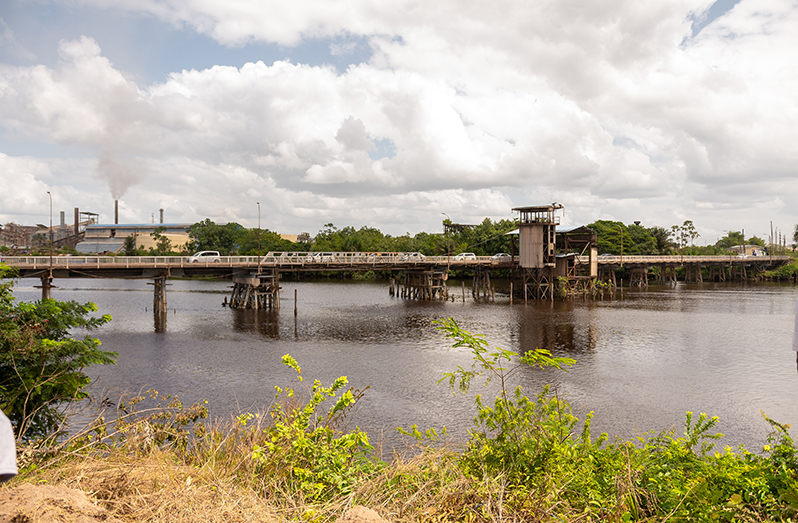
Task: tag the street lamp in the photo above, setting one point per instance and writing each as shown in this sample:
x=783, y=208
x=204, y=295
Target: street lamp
x=51, y=231
x=258, y=237
x=620, y=228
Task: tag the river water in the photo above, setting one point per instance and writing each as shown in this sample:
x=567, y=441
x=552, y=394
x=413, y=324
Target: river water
x=644, y=358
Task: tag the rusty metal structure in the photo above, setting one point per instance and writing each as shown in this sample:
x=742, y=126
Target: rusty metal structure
x=537, y=247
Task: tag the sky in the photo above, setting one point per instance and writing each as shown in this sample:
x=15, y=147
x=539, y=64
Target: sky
x=399, y=114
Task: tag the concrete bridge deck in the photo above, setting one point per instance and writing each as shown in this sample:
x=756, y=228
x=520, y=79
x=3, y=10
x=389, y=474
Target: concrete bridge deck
x=181, y=266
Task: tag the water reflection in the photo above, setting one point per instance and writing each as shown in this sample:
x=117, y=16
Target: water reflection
x=265, y=322
x=560, y=327
x=159, y=320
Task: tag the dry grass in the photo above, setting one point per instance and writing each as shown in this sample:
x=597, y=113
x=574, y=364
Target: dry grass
x=154, y=487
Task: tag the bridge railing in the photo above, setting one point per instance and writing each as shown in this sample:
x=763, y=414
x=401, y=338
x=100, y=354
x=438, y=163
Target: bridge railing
x=735, y=258
x=341, y=260
x=289, y=259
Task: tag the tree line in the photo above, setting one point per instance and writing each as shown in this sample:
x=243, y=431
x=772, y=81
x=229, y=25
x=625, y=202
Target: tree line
x=485, y=239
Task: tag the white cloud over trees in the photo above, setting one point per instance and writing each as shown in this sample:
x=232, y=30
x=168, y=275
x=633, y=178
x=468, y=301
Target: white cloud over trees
x=613, y=108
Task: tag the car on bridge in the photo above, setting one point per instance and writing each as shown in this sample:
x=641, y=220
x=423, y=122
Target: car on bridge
x=501, y=257
x=412, y=257
x=205, y=257
x=463, y=256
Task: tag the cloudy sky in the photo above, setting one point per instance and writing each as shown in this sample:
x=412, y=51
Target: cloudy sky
x=388, y=114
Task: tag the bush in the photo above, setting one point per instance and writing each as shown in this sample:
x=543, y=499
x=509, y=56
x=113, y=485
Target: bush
x=41, y=365
x=304, y=451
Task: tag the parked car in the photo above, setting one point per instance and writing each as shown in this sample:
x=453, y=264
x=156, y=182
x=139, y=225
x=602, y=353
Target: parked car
x=463, y=256
x=322, y=257
x=205, y=257
x=501, y=257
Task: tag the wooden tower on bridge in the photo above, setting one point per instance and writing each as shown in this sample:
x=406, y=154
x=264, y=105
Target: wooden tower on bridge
x=537, y=249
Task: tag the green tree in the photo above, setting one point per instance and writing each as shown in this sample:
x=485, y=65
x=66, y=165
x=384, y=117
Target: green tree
x=642, y=240
x=208, y=236
x=163, y=245
x=609, y=236
x=269, y=241
x=41, y=364
x=731, y=239
x=487, y=238
x=130, y=246
x=662, y=239
x=684, y=234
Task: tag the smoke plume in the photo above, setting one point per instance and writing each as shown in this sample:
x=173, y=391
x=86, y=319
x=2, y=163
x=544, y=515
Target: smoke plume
x=120, y=177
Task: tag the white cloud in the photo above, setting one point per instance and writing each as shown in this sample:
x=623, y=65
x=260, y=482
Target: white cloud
x=610, y=107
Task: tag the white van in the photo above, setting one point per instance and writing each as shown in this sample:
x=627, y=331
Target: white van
x=205, y=257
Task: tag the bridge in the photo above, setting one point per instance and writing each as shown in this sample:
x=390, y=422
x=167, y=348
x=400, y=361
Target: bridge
x=256, y=279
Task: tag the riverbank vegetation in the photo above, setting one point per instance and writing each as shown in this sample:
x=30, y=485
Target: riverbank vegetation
x=528, y=458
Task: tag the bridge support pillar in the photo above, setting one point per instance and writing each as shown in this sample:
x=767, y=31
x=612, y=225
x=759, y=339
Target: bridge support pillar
x=608, y=276
x=539, y=283
x=47, y=285
x=639, y=277
x=159, y=295
x=482, y=283
x=256, y=291
x=427, y=285
x=159, y=303
x=717, y=273
x=693, y=273
x=738, y=272
x=667, y=275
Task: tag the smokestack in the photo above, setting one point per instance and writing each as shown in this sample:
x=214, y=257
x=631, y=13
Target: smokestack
x=161, y=215
x=116, y=212
x=77, y=221
x=63, y=219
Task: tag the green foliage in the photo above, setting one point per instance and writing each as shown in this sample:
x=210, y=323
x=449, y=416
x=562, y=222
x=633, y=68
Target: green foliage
x=163, y=245
x=516, y=433
x=610, y=236
x=532, y=445
x=305, y=449
x=41, y=365
x=130, y=246
x=731, y=239
x=785, y=272
x=484, y=239
x=269, y=241
x=684, y=234
x=207, y=236
x=642, y=240
x=662, y=239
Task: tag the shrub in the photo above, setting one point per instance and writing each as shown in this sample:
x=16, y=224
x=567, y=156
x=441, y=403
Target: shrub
x=305, y=451
x=41, y=364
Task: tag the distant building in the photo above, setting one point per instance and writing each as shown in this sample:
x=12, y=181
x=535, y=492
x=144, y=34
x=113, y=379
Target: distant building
x=21, y=237
x=111, y=237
